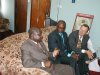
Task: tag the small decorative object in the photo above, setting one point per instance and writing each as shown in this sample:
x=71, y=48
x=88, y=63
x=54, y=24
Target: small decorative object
x=47, y=20
x=82, y=19
x=73, y=1
x=4, y=23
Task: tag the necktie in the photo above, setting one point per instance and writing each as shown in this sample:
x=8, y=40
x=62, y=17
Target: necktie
x=79, y=43
x=62, y=38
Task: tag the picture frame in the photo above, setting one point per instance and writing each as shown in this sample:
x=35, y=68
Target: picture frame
x=82, y=19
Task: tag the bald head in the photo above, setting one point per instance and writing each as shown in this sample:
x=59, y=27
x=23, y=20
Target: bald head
x=35, y=34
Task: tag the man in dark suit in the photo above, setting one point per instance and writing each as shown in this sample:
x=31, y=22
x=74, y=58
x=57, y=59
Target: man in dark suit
x=35, y=55
x=59, y=39
x=80, y=43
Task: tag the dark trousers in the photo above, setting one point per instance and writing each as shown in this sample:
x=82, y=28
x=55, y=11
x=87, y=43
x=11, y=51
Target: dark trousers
x=83, y=67
x=63, y=59
x=60, y=69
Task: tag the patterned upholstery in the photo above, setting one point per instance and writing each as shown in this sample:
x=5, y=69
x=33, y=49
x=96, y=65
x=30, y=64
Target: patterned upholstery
x=10, y=54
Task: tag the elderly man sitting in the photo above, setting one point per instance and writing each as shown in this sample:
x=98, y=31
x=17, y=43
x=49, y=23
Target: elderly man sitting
x=34, y=54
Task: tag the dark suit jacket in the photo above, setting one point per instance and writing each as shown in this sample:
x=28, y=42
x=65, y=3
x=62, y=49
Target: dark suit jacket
x=33, y=55
x=54, y=41
x=73, y=40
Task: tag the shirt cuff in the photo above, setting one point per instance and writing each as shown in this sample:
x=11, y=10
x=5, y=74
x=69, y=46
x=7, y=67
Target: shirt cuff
x=53, y=55
x=83, y=51
x=42, y=63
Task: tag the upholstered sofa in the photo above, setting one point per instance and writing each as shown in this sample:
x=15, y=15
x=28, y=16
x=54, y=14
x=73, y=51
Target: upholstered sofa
x=10, y=54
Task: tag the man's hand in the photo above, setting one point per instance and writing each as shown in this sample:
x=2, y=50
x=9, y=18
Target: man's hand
x=89, y=53
x=47, y=64
x=56, y=52
x=75, y=56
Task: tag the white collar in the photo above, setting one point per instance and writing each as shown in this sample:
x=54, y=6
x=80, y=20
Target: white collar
x=33, y=41
x=80, y=37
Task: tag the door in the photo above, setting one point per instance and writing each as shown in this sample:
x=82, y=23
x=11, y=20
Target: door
x=20, y=15
x=40, y=8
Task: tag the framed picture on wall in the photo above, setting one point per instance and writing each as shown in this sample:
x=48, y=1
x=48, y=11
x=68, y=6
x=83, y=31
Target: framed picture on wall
x=82, y=19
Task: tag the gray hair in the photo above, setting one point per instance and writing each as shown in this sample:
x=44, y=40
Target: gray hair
x=33, y=30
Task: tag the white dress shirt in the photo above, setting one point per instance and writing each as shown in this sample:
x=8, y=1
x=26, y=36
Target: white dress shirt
x=34, y=41
x=89, y=45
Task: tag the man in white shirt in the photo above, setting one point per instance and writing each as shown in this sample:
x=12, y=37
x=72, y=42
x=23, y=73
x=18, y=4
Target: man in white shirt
x=80, y=43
